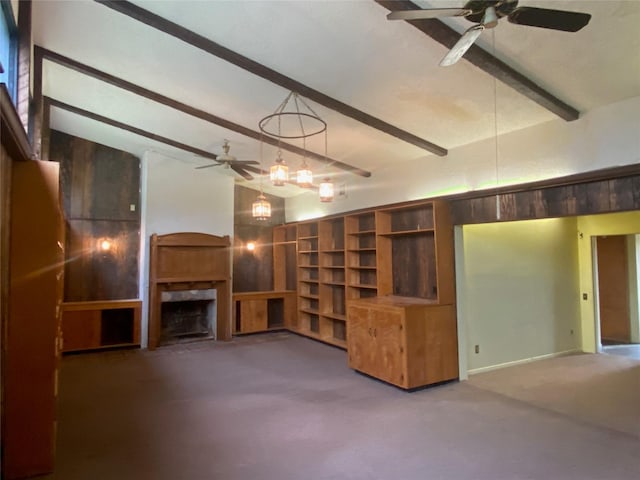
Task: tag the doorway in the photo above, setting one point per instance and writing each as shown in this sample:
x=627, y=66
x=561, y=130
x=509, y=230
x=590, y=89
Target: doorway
x=617, y=294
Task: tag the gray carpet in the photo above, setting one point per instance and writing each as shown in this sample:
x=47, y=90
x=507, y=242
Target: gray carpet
x=284, y=407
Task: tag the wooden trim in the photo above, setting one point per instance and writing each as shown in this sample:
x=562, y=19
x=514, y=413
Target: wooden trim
x=213, y=48
x=100, y=305
x=194, y=112
x=38, y=106
x=12, y=132
x=485, y=61
x=192, y=239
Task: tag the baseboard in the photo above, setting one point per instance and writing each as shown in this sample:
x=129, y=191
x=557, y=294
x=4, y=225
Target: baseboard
x=524, y=360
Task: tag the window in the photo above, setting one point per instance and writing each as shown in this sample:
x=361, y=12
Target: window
x=8, y=48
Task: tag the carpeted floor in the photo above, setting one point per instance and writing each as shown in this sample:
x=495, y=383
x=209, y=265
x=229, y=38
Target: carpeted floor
x=284, y=407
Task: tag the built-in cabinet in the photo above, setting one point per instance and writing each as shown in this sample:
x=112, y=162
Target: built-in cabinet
x=379, y=283
x=263, y=311
x=99, y=325
x=404, y=341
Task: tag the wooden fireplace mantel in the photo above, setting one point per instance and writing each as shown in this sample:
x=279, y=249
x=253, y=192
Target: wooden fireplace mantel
x=190, y=261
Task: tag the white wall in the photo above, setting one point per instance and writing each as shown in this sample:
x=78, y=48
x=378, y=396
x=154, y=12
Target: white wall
x=605, y=137
x=178, y=198
x=518, y=291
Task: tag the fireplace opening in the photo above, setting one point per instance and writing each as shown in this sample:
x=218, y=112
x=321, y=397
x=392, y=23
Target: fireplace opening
x=187, y=315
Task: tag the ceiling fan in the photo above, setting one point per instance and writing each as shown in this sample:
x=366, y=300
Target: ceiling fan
x=486, y=13
x=241, y=167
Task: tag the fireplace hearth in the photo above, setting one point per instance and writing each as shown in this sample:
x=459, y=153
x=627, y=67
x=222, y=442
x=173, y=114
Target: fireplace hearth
x=187, y=315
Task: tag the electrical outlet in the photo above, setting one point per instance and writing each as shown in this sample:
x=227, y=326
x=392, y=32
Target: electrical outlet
x=585, y=296
x=477, y=348
x=132, y=207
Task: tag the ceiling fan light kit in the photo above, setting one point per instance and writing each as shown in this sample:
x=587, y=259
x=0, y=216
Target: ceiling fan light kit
x=487, y=13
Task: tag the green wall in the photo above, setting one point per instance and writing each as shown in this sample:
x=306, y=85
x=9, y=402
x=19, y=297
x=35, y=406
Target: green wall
x=518, y=291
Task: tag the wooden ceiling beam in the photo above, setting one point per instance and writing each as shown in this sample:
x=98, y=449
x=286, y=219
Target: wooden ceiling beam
x=213, y=48
x=129, y=128
x=67, y=62
x=485, y=61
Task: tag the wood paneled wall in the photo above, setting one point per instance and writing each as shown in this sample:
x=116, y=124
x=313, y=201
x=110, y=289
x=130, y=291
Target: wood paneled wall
x=253, y=271
x=601, y=196
x=101, y=200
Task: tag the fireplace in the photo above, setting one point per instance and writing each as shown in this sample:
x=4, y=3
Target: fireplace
x=189, y=288
x=187, y=315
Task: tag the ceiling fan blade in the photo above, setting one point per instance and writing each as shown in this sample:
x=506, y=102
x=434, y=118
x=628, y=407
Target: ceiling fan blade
x=547, y=18
x=255, y=170
x=428, y=13
x=209, y=166
x=244, y=162
x=462, y=45
x=240, y=171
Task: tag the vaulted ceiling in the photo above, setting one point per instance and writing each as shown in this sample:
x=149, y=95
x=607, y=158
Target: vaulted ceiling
x=179, y=77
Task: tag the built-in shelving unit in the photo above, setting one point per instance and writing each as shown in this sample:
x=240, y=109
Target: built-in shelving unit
x=395, y=260
x=332, y=281
x=308, y=280
x=284, y=257
x=361, y=263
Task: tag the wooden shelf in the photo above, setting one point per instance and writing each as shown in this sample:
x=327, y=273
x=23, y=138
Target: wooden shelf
x=362, y=233
x=407, y=232
x=335, y=267
x=368, y=249
x=307, y=251
x=309, y=296
x=363, y=268
x=335, y=316
x=362, y=285
x=311, y=311
x=308, y=237
x=332, y=251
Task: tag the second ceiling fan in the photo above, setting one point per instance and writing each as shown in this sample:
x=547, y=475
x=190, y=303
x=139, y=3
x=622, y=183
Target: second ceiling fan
x=486, y=13
x=238, y=166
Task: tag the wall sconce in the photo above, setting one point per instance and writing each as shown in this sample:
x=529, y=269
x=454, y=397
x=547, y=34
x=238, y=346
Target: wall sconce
x=251, y=246
x=105, y=245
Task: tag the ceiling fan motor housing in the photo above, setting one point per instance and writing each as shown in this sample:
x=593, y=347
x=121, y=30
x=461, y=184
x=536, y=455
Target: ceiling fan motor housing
x=478, y=7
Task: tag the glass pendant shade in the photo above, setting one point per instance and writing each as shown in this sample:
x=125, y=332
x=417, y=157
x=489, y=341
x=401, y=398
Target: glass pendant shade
x=279, y=173
x=261, y=208
x=326, y=191
x=304, y=176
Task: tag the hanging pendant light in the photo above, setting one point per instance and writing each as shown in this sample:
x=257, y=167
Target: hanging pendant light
x=279, y=172
x=304, y=175
x=326, y=191
x=261, y=208
x=293, y=119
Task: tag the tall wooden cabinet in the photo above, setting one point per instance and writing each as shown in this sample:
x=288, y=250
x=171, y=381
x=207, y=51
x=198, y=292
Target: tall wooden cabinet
x=30, y=346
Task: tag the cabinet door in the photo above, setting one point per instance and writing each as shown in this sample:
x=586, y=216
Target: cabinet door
x=389, y=352
x=359, y=340
x=81, y=330
x=29, y=343
x=253, y=316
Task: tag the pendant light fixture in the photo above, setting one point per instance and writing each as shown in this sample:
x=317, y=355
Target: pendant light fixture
x=326, y=191
x=261, y=208
x=293, y=119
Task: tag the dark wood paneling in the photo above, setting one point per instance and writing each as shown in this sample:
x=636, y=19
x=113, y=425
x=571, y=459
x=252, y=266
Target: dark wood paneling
x=99, y=184
x=253, y=271
x=602, y=196
x=625, y=193
x=94, y=274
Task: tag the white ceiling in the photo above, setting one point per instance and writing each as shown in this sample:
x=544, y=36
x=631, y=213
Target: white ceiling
x=345, y=49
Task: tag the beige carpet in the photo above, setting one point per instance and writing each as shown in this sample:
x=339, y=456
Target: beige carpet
x=282, y=407
x=600, y=389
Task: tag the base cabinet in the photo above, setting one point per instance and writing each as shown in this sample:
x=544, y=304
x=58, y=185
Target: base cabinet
x=404, y=341
x=263, y=311
x=100, y=324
